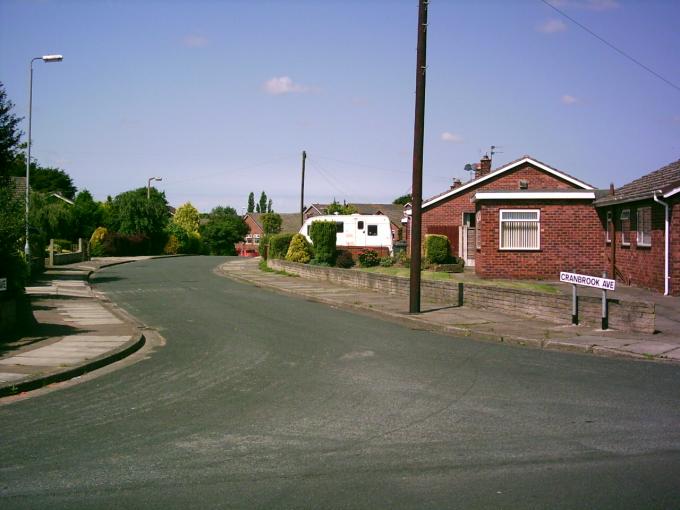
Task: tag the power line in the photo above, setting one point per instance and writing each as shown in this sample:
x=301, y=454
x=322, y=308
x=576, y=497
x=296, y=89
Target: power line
x=621, y=52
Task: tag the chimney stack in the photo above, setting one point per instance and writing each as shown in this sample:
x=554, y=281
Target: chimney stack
x=456, y=183
x=484, y=167
x=611, y=189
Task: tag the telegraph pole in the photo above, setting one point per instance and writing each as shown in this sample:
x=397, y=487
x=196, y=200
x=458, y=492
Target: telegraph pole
x=417, y=187
x=302, y=191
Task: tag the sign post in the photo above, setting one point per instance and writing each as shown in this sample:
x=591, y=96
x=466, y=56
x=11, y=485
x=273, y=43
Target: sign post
x=589, y=281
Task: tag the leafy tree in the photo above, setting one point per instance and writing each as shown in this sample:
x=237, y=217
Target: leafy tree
x=224, y=229
x=12, y=265
x=132, y=213
x=262, y=204
x=251, y=202
x=9, y=134
x=187, y=217
x=87, y=214
x=339, y=208
x=44, y=179
x=269, y=206
x=271, y=223
x=403, y=200
x=51, y=218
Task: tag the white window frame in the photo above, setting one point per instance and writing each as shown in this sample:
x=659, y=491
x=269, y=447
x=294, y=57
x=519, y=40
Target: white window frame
x=641, y=241
x=520, y=248
x=608, y=227
x=625, y=233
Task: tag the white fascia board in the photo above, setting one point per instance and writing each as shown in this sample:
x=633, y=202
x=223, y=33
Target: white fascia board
x=535, y=195
x=504, y=169
x=672, y=192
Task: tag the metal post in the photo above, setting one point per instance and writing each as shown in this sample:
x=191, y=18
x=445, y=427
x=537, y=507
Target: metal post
x=605, y=309
x=461, y=295
x=574, y=305
x=302, y=191
x=27, y=246
x=417, y=187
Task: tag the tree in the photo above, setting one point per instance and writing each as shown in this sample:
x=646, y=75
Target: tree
x=224, y=229
x=251, y=202
x=403, y=200
x=271, y=223
x=269, y=206
x=187, y=217
x=10, y=134
x=45, y=179
x=132, y=213
x=12, y=265
x=50, y=218
x=87, y=214
x=262, y=204
x=339, y=208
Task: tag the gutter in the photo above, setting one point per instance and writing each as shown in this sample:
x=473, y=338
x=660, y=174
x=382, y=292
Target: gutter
x=667, y=243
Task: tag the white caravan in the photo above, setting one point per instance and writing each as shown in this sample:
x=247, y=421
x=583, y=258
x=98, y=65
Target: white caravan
x=357, y=230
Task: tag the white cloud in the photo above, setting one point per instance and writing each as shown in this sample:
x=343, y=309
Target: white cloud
x=451, y=137
x=194, y=41
x=552, y=26
x=567, y=99
x=283, y=85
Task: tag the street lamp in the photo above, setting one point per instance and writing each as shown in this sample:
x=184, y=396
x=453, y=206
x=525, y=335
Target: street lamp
x=44, y=58
x=148, y=185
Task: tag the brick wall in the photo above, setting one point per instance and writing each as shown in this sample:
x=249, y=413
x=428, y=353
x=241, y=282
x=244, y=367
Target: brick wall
x=571, y=239
x=623, y=315
x=642, y=266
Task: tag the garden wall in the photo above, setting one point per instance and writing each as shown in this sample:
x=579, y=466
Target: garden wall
x=623, y=315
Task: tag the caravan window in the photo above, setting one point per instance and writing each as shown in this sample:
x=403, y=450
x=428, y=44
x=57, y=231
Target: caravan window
x=339, y=227
x=360, y=225
x=373, y=230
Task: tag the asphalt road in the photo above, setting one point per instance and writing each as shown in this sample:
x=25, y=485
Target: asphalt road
x=260, y=400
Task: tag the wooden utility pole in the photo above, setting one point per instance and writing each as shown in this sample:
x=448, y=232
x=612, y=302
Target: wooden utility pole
x=417, y=187
x=302, y=191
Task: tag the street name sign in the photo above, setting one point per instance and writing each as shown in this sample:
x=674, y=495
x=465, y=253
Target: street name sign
x=588, y=281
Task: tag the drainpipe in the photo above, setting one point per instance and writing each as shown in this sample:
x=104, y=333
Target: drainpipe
x=667, y=243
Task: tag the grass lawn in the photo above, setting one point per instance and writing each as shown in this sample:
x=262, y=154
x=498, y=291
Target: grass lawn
x=466, y=278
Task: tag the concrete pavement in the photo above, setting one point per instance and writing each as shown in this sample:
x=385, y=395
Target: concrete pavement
x=74, y=332
x=664, y=346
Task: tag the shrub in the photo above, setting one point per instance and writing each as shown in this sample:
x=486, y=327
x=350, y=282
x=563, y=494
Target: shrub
x=279, y=245
x=323, y=234
x=387, y=262
x=369, y=258
x=172, y=246
x=437, y=249
x=96, y=248
x=263, y=244
x=299, y=250
x=344, y=259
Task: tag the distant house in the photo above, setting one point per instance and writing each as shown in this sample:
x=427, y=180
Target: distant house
x=394, y=212
x=249, y=247
x=642, y=230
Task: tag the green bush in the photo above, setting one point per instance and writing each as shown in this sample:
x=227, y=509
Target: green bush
x=324, y=235
x=263, y=244
x=96, y=247
x=279, y=245
x=437, y=249
x=344, y=259
x=386, y=262
x=299, y=250
x=369, y=258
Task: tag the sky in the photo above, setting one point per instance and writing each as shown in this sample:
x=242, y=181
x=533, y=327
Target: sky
x=220, y=98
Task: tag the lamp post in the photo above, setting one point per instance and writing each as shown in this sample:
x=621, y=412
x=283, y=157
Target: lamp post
x=148, y=186
x=44, y=58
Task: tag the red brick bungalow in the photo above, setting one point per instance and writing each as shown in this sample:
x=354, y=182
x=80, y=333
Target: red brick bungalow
x=522, y=220
x=250, y=245
x=642, y=234
x=393, y=211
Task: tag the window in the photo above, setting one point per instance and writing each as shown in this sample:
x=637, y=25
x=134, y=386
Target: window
x=256, y=236
x=339, y=227
x=624, y=220
x=478, y=231
x=520, y=230
x=644, y=226
x=610, y=224
x=373, y=230
x=360, y=225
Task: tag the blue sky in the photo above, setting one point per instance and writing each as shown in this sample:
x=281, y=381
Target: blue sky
x=220, y=97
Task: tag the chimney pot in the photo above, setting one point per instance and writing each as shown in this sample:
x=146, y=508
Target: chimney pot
x=611, y=188
x=484, y=167
x=456, y=183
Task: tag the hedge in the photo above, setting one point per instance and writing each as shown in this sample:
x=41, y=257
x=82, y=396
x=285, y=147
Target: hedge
x=323, y=234
x=278, y=245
